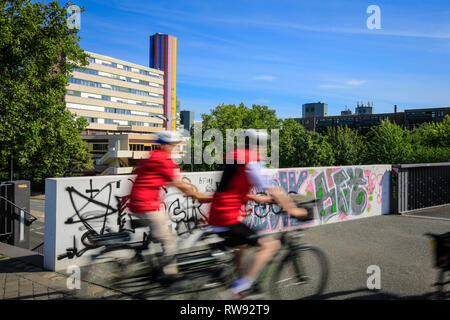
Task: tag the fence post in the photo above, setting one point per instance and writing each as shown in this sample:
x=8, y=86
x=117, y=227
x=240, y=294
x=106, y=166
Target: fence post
x=21, y=198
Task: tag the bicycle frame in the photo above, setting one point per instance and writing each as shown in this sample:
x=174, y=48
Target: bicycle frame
x=287, y=246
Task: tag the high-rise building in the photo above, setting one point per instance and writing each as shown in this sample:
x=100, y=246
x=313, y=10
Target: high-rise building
x=123, y=103
x=116, y=96
x=318, y=109
x=187, y=119
x=163, y=56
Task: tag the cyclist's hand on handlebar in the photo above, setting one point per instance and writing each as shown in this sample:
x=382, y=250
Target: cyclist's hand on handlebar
x=297, y=212
x=203, y=198
x=260, y=198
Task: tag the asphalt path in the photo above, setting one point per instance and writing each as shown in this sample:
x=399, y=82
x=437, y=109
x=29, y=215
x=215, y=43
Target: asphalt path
x=394, y=243
x=37, y=208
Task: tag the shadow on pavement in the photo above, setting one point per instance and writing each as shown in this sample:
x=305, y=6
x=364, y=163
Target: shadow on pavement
x=379, y=295
x=22, y=264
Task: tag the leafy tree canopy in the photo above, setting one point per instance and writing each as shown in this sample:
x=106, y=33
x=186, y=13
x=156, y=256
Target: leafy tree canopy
x=38, y=135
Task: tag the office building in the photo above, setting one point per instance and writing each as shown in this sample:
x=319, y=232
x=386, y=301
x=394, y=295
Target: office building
x=318, y=109
x=408, y=119
x=117, y=96
x=124, y=105
x=187, y=119
x=163, y=56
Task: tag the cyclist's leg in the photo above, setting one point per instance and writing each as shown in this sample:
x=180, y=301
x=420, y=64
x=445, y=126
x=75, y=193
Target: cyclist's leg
x=240, y=265
x=267, y=248
x=160, y=229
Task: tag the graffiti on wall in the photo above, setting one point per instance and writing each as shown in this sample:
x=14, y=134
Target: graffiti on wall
x=185, y=213
x=341, y=193
x=93, y=216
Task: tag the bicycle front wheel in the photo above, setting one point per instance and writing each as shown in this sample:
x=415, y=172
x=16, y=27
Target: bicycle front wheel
x=302, y=274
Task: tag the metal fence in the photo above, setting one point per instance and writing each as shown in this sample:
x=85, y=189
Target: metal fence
x=6, y=212
x=39, y=248
x=15, y=218
x=417, y=186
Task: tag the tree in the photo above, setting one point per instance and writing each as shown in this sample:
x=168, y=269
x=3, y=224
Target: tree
x=299, y=148
x=431, y=142
x=388, y=143
x=38, y=135
x=230, y=116
x=347, y=145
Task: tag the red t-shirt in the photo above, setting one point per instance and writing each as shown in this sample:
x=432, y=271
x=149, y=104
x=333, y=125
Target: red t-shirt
x=227, y=205
x=152, y=174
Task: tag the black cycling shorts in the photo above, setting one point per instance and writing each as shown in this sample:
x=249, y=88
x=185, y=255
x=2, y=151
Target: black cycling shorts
x=239, y=234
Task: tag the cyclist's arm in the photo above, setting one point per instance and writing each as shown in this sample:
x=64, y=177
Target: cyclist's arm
x=172, y=173
x=256, y=175
x=285, y=202
x=189, y=190
x=260, y=198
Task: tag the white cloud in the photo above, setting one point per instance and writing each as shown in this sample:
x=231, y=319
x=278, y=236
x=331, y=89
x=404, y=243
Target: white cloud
x=264, y=78
x=356, y=82
x=347, y=85
x=334, y=86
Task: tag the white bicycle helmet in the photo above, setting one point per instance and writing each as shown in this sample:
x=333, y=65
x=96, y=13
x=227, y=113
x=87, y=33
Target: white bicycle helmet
x=168, y=137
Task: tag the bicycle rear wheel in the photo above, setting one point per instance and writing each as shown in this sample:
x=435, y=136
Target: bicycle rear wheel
x=301, y=274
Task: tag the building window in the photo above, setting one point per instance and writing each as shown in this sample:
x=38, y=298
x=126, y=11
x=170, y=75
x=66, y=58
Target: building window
x=91, y=120
x=74, y=93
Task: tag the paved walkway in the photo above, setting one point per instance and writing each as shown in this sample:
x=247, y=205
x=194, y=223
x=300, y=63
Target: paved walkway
x=20, y=280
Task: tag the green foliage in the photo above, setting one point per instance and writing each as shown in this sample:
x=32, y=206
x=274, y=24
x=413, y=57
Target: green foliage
x=388, y=143
x=347, y=145
x=37, y=53
x=230, y=116
x=431, y=142
x=299, y=148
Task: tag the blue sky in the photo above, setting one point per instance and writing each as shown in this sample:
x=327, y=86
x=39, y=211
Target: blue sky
x=286, y=53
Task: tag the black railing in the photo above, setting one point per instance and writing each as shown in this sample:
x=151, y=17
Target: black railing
x=15, y=218
x=418, y=186
x=6, y=212
x=39, y=248
x=28, y=216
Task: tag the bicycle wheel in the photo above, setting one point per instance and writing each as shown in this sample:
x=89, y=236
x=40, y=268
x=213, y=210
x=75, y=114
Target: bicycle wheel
x=301, y=274
x=111, y=267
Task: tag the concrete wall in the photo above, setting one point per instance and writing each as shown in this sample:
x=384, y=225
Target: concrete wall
x=345, y=193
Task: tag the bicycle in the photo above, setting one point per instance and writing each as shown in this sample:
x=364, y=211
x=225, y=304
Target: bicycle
x=298, y=270
x=210, y=261
x=440, y=245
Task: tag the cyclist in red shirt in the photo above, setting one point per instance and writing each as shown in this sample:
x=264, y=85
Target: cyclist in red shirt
x=154, y=173
x=226, y=214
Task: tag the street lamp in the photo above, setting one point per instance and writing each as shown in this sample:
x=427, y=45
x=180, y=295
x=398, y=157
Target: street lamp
x=164, y=118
